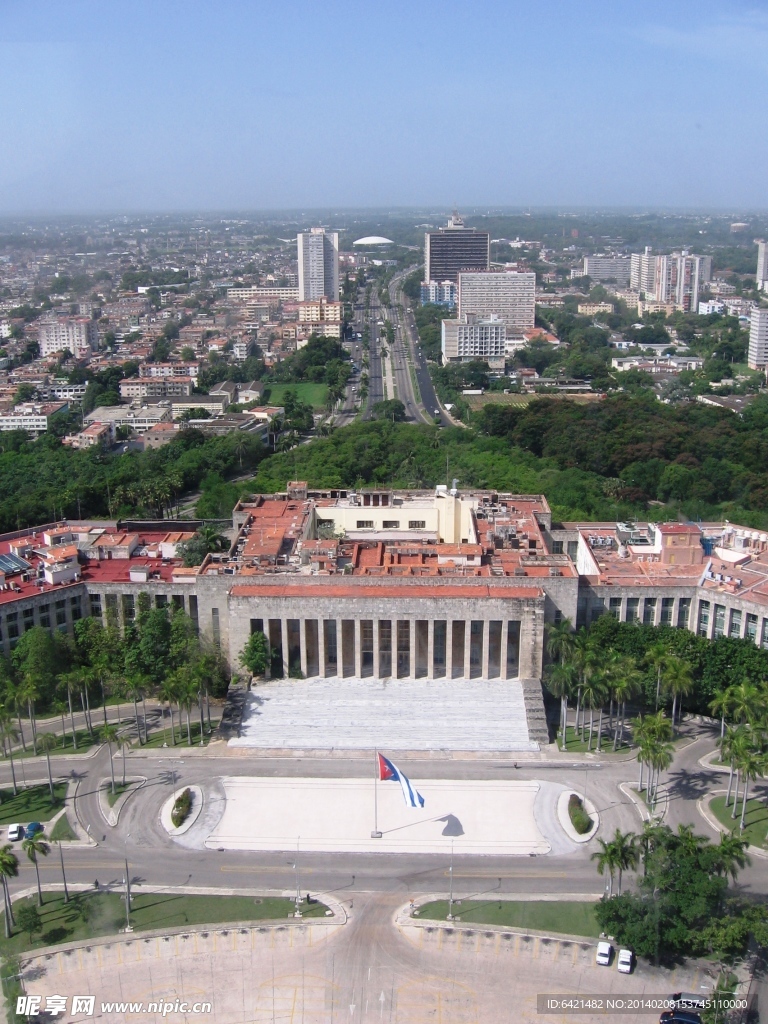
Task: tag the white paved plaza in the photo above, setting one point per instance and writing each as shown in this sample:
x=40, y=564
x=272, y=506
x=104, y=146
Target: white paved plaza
x=481, y=817
x=391, y=714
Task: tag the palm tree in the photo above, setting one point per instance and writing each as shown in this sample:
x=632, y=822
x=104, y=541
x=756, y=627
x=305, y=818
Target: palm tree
x=560, y=638
x=34, y=847
x=662, y=755
x=656, y=656
x=134, y=688
x=628, y=682
x=732, y=745
x=108, y=734
x=721, y=705
x=606, y=861
x=732, y=853
x=240, y=447
x=168, y=692
x=48, y=742
x=9, y=735
x=123, y=744
x=751, y=766
x=676, y=679
x=562, y=681
x=626, y=852
x=71, y=681
x=9, y=868
x=593, y=694
x=747, y=702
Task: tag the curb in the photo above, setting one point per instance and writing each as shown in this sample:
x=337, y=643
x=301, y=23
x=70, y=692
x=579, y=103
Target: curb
x=711, y=820
x=565, y=821
x=112, y=814
x=198, y=801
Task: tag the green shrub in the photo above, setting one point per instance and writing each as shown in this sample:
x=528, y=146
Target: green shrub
x=580, y=820
x=181, y=808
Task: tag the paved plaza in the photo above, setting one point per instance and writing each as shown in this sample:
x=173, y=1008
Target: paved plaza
x=390, y=714
x=479, y=817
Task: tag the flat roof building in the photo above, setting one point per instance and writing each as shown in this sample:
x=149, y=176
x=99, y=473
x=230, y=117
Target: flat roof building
x=455, y=248
x=509, y=296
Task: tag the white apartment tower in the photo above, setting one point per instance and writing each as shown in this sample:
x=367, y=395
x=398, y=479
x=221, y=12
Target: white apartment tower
x=757, y=357
x=677, y=278
x=473, y=337
x=762, y=265
x=509, y=296
x=77, y=335
x=318, y=253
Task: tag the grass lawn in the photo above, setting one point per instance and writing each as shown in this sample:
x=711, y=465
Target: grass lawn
x=565, y=918
x=33, y=804
x=578, y=746
x=313, y=394
x=755, y=822
x=158, y=737
x=63, y=744
x=112, y=798
x=63, y=922
x=63, y=830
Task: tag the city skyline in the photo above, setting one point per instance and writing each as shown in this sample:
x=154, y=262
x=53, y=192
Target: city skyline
x=130, y=113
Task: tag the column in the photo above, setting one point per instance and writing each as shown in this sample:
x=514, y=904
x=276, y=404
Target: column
x=467, y=648
x=321, y=648
x=339, y=649
x=412, y=649
x=449, y=649
x=504, y=647
x=284, y=642
x=486, y=655
x=430, y=648
x=303, y=646
x=376, y=651
x=358, y=638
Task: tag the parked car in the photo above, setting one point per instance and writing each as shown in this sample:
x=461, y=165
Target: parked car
x=33, y=828
x=625, y=961
x=604, y=954
x=15, y=832
x=679, y=1017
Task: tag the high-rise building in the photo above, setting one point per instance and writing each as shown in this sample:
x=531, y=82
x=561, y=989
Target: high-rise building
x=472, y=337
x=608, y=268
x=676, y=278
x=318, y=264
x=757, y=357
x=77, y=335
x=439, y=293
x=508, y=295
x=762, y=265
x=454, y=248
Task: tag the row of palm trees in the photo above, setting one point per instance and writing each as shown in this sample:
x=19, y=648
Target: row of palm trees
x=34, y=847
x=743, y=741
x=624, y=851
x=653, y=735
x=594, y=678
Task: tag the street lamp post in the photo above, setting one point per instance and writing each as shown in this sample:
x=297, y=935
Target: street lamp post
x=450, y=893
x=297, y=911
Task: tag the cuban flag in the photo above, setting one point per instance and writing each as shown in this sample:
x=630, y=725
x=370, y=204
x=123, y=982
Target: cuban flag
x=388, y=772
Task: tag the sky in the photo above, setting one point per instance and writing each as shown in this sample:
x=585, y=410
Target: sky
x=158, y=105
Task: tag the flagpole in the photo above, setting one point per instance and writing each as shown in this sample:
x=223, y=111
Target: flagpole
x=376, y=834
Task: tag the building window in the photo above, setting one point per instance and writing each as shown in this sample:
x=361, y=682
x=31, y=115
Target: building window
x=667, y=604
x=719, y=620
x=633, y=605
x=649, y=611
x=614, y=607
x=735, y=629
x=763, y=638
x=557, y=547
x=365, y=524
x=215, y=628
x=683, y=612
x=417, y=524
x=161, y=600
x=573, y=549
x=11, y=621
x=703, y=618
x=28, y=618
x=76, y=608
x=96, y=606
x=45, y=615
x=61, y=613
x=177, y=602
x=751, y=630
x=193, y=611
x=391, y=524
x=112, y=606
x=129, y=608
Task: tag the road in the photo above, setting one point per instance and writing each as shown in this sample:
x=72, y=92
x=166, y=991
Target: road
x=156, y=859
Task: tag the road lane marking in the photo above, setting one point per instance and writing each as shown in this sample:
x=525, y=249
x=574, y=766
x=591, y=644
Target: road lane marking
x=487, y=873
x=250, y=870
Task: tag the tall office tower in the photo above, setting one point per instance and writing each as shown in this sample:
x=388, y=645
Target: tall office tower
x=757, y=357
x=762, y=265
x=318, y=264
x=642, y=273
x=608, y=268
x=454, y=248
x=508, y=295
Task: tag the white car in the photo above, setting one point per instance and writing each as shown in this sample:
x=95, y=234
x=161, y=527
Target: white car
x=15, y=832
x=624, y=961
x=604, y=953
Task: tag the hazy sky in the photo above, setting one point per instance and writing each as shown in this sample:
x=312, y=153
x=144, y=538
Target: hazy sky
x=156, y=104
